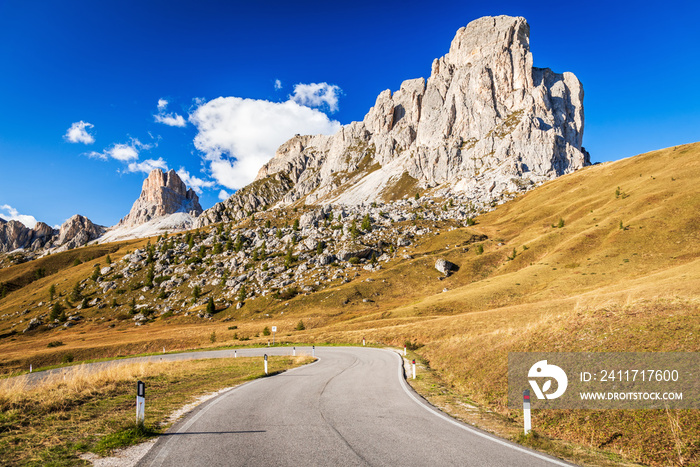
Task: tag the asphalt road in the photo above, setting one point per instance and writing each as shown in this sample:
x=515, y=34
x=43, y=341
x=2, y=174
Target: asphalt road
x=350, y=408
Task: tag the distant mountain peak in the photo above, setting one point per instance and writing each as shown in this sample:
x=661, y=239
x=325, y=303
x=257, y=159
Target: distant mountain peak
x=163, y=193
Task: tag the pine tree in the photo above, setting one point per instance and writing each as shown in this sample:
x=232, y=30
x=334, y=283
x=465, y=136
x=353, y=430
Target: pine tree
x=366, y=223
x=196, y=293
x=75, y=294
x=52, y=291
x=353, y=229
x=56, y=311
x=150, y=275
x=211, y=308
x=242, y=293
x=108, y=259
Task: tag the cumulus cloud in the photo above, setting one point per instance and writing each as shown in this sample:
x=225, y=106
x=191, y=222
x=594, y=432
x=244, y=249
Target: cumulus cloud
x=237, y=136
x=316, y=95
x=193, y=182
x=147, y=166
x=170, y=119
x=278, y=84
x=9, y=213
x=121, y=151
x=77, y=133
x=223, y=195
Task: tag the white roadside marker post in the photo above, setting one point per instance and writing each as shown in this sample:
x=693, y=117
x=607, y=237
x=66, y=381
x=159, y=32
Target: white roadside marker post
x=30, y=367
x=313, y=351
x=140, y=402
x=274, y=330
x=404, y=350
x=526, y=411
x=265, y=363
x=363, y=342
x=294, y=351
x=235, y=354
x=414, y=369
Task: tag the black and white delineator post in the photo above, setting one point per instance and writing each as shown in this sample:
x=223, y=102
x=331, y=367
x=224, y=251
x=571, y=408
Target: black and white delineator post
x=526, y=411
x=140, y=401
x=414, y=369
x=294, y=351
x=265, y=363
x=235, y=354
x=363, y=342
x=313, y=351
x=404, y=350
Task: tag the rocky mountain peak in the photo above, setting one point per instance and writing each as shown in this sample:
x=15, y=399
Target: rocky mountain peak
x=163, y=193
x=485, y=125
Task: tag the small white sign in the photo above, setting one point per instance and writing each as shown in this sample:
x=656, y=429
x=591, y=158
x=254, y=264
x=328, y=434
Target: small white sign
x=274, y=328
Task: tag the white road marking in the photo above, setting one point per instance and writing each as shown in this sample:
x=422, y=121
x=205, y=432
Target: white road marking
x=404, y=385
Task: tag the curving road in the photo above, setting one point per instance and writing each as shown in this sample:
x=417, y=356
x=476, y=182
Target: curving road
x=350, y=408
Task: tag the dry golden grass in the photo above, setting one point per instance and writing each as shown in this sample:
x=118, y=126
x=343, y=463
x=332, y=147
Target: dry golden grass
x=94, y=410
x=623, y=273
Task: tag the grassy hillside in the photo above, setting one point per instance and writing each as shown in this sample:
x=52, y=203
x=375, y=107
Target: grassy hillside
x=607, y=258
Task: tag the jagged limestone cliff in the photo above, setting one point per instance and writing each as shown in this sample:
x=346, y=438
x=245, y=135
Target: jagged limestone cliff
x=485, y=124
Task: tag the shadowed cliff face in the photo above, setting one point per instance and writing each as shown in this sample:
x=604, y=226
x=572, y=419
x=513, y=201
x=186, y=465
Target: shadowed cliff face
x=485, y=124
x=163, y=193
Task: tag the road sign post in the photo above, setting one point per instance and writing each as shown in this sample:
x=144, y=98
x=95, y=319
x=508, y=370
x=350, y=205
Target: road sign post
x=140, y=401
x=526, y=411
x=265, y=363
x=404, y=350
x=313, y=351
x=363, y=342
x=294, y=351
x=414, y=369
x=274, y=330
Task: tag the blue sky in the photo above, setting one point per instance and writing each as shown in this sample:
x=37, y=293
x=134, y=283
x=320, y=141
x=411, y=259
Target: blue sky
x=268, y=69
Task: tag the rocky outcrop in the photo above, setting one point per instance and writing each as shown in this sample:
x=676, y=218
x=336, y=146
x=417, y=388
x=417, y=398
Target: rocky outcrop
x=485, y=124
x=77, y=231
x=15, y=235
x=162, y=194
x=257, y=196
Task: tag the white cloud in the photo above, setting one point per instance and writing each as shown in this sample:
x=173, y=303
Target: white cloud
x=316, y=95
x=148, y=165
x=121, y=152
x=11, y=214
x=77, y=133
x=278, y=84
x=170, y=119
x=194, y=182
x=223, y=195
x=237, y=136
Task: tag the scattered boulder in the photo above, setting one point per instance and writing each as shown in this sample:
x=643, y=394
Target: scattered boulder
x=445, y=267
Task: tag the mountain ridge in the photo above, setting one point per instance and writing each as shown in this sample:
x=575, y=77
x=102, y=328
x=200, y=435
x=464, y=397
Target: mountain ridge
x=486, y=124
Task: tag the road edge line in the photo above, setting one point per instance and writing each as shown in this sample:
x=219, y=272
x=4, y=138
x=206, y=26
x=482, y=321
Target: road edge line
x=447, y=418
